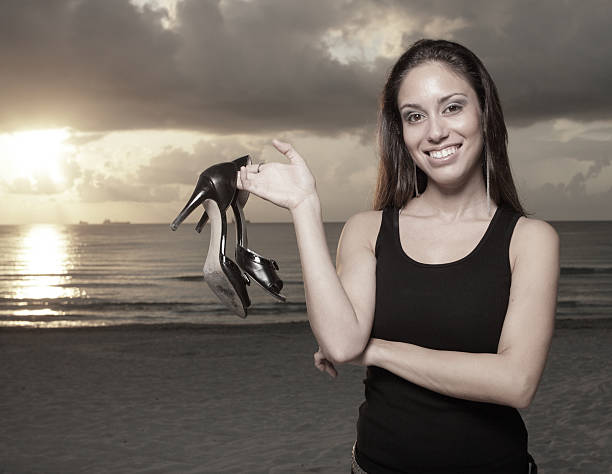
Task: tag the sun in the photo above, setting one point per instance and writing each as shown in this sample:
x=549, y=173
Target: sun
x=34, y=154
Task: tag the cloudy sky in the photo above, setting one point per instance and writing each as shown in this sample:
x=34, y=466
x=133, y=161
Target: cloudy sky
x=111, y=108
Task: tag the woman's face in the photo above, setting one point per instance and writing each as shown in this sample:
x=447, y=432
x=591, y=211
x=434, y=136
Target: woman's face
x=441, y=123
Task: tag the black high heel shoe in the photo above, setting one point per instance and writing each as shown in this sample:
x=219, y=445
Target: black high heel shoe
x=258, y=267
x=216, y=189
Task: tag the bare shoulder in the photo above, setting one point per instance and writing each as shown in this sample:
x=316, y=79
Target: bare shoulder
x=363, y=227
x=535, y=230
x=533, y=238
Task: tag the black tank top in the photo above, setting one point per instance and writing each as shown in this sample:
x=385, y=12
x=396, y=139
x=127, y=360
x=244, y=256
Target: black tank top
x=456, y=306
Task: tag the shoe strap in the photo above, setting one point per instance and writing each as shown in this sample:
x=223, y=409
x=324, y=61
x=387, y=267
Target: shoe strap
x=255, y=257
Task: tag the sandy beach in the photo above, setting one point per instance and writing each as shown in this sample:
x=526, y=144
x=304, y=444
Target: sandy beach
x=192, y=399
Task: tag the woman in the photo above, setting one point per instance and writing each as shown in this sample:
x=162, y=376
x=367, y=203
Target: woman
x=446, y=292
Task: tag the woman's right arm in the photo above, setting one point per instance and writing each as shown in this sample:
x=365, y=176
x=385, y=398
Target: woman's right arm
x=340, y=302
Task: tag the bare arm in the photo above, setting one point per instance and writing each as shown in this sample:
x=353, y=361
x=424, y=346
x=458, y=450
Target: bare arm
x=333, y=318
x=340, y=301
x=511, y=376
x=340, y=305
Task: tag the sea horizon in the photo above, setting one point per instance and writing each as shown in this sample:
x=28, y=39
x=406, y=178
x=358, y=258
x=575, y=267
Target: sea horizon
x=189, y=222
x=71, y=275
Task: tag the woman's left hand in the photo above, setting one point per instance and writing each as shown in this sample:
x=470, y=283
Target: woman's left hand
x=323, y=364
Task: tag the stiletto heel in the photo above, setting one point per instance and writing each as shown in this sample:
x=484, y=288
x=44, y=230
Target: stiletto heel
x=203, y=186
x=216, y=189
x=202, y=222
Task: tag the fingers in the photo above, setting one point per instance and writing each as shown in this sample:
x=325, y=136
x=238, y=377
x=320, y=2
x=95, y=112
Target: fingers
x=256, y=168
x=318, y=360
x=246, y=173
x=286, y=149
x=330, y=369
x=324, y=365
x=243, y=181
x=239, y=180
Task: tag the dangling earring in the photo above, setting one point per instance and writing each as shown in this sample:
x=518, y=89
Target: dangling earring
x=416, y=184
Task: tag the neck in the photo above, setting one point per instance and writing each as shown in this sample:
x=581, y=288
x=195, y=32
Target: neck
x=455, y=202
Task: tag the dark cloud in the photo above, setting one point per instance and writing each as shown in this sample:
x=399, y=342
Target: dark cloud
x=110, y=66
x=262, y=65
x=548, y=58
x=568, y=201
x=595, y=152
x=570, y=190
x=578, y=148
x=178, y=166
x=577, y=186
x=95, y=187
x=159, y=180
x=88, y=64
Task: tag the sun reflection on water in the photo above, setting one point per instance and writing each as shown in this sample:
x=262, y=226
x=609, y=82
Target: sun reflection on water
x=44, y=263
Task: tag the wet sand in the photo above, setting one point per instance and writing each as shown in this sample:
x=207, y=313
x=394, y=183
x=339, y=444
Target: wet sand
x=192, y=399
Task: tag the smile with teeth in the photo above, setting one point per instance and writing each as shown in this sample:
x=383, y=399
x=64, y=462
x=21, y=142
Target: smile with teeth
x=438, y=154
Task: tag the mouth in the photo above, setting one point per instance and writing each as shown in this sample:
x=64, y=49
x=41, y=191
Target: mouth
x=444, y=153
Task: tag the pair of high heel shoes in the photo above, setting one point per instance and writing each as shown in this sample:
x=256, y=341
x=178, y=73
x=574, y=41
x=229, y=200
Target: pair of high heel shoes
x=216, y=190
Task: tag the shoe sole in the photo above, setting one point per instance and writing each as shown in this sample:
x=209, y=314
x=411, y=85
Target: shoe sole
x=214, y=275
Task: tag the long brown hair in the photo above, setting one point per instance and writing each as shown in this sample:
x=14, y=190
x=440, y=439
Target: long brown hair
x=396, y=170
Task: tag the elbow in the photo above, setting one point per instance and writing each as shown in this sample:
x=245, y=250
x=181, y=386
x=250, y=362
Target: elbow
x=338, y=356
x=344, y=346
x=523, y=393
x=344, y=353
x=521, y=402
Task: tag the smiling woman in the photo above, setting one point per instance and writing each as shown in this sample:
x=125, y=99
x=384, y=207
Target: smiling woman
x=455, y=340
x=34, y=155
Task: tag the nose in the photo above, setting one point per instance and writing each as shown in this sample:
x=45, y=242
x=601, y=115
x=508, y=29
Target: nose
x=438, y=130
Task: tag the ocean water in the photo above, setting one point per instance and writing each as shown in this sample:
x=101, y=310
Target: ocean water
x=91, y=275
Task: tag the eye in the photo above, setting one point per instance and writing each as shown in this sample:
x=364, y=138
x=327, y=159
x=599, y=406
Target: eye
x=454, y=108
x=413, y=117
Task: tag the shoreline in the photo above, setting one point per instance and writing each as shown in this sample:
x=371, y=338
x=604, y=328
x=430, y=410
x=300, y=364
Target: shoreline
x=565, y=323
x=213, y=327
